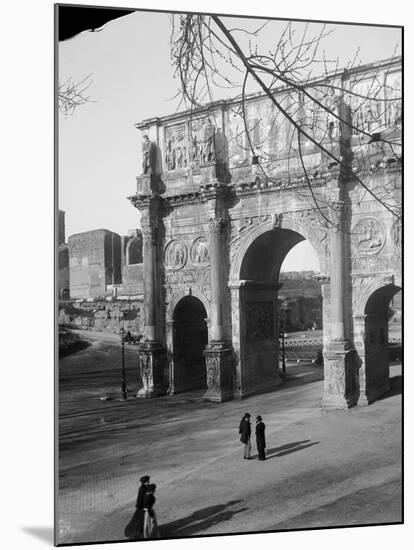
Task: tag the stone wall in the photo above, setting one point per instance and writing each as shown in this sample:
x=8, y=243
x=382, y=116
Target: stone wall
x=94, y=263
x=103, y=315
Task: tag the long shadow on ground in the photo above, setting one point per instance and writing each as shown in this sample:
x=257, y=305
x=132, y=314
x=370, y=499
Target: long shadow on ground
x=201, y=520
x=288, y=448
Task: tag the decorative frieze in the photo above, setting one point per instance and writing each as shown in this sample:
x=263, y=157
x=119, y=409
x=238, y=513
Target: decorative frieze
x=188, y=277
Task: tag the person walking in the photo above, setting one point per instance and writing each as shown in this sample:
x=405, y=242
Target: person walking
x=245, y=433
x=260, y=438
x=135, y=528
x=151, y=530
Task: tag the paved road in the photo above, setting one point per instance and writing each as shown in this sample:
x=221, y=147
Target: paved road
x=323, y=468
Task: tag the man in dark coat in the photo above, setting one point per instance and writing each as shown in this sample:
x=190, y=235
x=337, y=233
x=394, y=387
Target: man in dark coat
x=260, y=438
x=245, y=432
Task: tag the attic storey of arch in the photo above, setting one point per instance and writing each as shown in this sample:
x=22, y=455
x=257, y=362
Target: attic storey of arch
x=320, y=116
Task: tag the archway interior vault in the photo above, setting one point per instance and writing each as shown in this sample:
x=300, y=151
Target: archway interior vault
x=190, y=336
x=264, y=257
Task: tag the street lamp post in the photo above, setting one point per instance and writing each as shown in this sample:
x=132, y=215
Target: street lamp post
x=282, y=333
x=123, y=387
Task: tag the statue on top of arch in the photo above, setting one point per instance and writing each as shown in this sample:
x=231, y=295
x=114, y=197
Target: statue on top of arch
x=149, y=156
x=209, y=150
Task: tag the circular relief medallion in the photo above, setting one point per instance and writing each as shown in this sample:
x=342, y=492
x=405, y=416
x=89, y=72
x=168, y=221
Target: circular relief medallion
x=175, y=254
x=199, y=252
x=368, y=236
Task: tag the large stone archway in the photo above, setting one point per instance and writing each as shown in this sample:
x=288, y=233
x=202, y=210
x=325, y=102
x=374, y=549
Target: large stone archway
x=218, y=229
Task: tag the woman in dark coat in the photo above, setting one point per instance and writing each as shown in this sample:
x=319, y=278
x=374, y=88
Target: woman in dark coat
x=245, y=432
x=151, y=530
x=135, y=528
x=260, y=438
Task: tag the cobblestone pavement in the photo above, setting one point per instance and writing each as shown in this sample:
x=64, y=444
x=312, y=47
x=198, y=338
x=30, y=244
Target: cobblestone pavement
x=322, y=468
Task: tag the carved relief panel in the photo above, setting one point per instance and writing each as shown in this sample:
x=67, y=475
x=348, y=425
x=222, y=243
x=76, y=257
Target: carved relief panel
x=175, y=254
x=176, y=153
x=259, y=321
x=199, y=252
x=368, y=236
x=202, y=140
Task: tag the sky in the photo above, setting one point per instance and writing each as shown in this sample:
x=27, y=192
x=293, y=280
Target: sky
x=132, y=79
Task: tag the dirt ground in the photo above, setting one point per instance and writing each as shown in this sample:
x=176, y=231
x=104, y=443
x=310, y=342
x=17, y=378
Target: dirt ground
x=322, y=469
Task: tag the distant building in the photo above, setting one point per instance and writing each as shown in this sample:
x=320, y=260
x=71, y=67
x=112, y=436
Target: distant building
x=94, y=263
x=63, y=258
x=132, y=266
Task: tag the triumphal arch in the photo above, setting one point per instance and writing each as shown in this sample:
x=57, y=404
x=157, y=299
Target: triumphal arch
x=223, y=199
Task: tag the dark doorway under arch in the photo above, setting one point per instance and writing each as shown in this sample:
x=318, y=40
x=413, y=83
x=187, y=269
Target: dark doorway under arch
x=190, y=336
x=377, y=341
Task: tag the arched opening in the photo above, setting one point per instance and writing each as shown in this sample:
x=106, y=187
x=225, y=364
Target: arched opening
x=190, y=336
x=378, y=315
x=134, y=251
x=261, y=315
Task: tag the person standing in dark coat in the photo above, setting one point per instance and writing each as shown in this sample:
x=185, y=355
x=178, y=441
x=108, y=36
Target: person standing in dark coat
x=245, y=433
x=260, y=438
x=135, y=528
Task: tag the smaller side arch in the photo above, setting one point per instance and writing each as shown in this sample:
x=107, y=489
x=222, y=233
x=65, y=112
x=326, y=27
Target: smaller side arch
x=368, y=290
x=177, y=297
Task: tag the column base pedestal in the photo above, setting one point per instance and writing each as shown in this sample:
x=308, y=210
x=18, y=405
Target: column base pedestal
x=341, y=383
x=219, y=372
x=152, y=358
x=366, y=399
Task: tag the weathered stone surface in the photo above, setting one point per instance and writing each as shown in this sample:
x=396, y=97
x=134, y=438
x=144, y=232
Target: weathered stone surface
x=151, y=368
x=220, y=376
x=225, y=219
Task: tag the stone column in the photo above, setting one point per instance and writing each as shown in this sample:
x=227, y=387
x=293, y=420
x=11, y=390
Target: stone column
x=359, y=342
x=151, y=352
x=217, y=228
x=337, y=272
x=218, y=352
x=341, y=387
